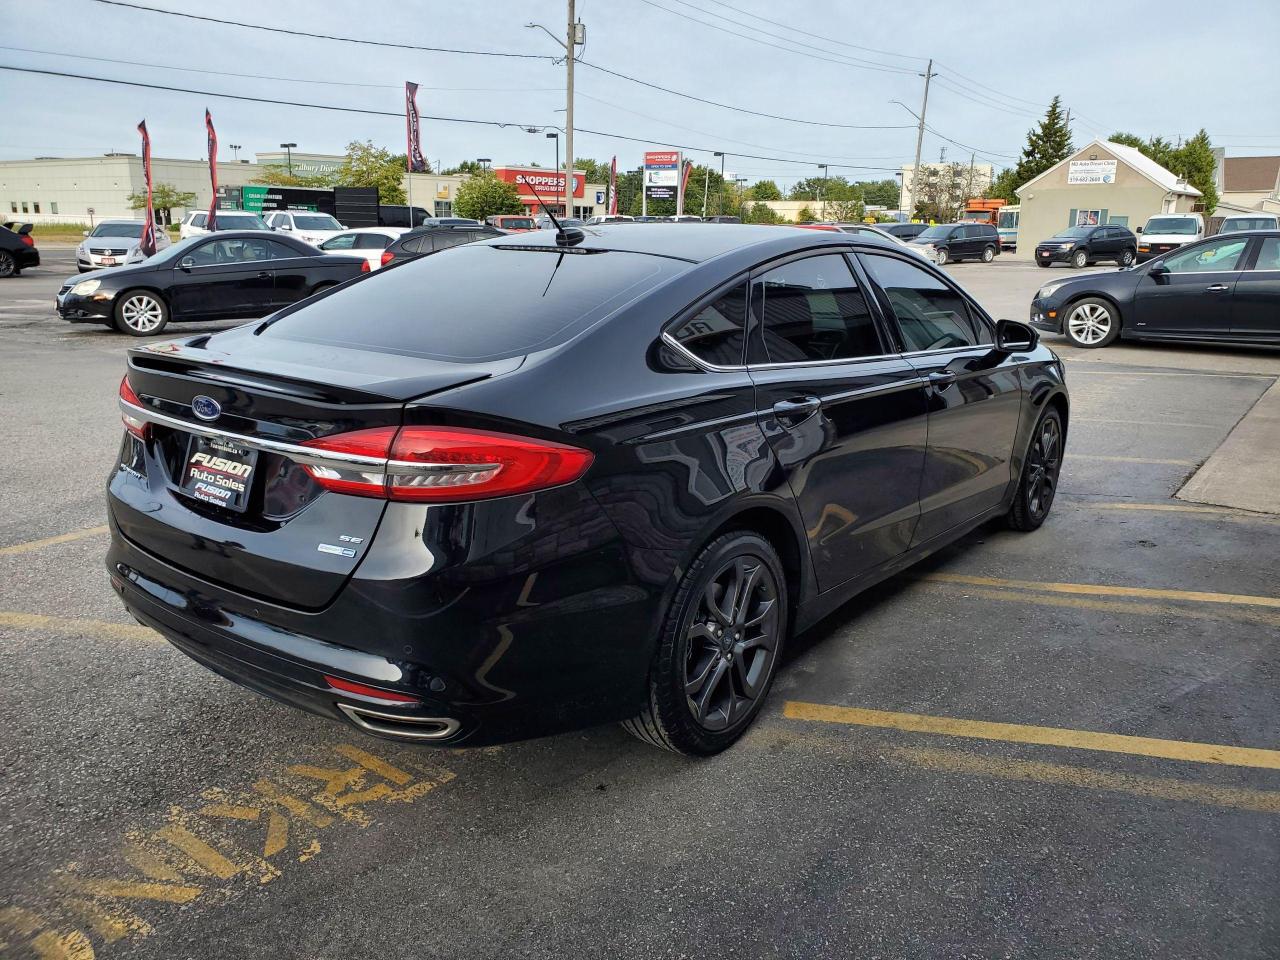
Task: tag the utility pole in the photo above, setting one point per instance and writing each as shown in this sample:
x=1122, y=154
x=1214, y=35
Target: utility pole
x=572, y=37
x=924, y=108
x=720, y=202
x=706, y=186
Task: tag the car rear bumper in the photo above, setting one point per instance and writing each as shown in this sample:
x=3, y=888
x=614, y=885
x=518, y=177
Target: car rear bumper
x=27, y=257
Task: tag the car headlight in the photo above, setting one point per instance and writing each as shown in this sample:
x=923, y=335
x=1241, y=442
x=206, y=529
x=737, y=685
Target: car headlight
x=1048, y=290
x=86, y=287
x=1065, y=246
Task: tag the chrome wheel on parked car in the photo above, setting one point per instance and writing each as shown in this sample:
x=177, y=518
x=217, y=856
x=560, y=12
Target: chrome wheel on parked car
x=1091, y=323
x=141, y=313
x=1079, y=259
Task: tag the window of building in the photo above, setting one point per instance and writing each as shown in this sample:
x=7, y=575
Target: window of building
x=1118, y=221
x=13, y=206
x=1087, y=218
x=24, y=207
x=812, y=309
x=931, y=315
x=444, y=208
x=715, y=332
x=35, y=206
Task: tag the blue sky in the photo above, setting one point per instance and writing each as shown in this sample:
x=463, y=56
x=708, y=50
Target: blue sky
x=1118, y=66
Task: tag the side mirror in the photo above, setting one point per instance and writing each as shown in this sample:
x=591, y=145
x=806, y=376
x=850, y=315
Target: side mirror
x=1158, y=269
x=84, y=233
x=1139, y=229
x=1013, y=336
x=186, y=263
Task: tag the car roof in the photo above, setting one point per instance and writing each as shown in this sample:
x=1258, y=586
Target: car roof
x=693, y=242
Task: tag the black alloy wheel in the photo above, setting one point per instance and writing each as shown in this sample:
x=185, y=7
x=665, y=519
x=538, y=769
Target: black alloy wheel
x=8, y=265
x=1039, y=481
x=719, y=648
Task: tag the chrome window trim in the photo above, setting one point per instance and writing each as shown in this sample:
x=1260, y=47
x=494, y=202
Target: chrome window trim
x=296, y=452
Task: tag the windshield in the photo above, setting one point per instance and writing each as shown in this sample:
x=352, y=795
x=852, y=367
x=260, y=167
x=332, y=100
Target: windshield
x=516, y=223
x=131, y=230
x=474, y=303
x=1176, y=225
x=315, y=221
x=240, y=221
x=939, y=232
x=1008, y=218
x=1248, y=223
x=1073, y=233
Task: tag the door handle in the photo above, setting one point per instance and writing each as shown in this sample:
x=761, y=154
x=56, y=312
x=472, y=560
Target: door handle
x=264, y=274
x=796, y=409
x=941, y=379
x=1216, y=288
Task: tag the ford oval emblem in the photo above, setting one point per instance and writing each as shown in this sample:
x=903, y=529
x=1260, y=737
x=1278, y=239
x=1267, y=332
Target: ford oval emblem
x=206, y=408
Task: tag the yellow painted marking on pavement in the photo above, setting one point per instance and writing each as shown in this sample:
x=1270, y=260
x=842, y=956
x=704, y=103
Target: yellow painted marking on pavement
x=129, y=890
x=199, y=851
x=27, y=547
x=1129, y=607
x=1229, y=512
x=1149, y=423
x=1058, y=774
x=376, y=765
x=1044, y=736
x=230, y=811
x=277, y=834
x=1106, y=590
x=73, y=627
x=1106, y=459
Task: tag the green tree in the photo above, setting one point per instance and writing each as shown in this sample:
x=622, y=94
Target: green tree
x=279, y=176
x=1002, y=187
x=596, y=171
x=1048, y=144
x=368, y=166
x=806, y=215
x=164, y=197
x=828, y=188
x=469, y=167
x=484, y=195
x=765, y=190
x=883, y=193
x=759, y=213
x=1192, y=161
x=1128, y=140
x=845, y=211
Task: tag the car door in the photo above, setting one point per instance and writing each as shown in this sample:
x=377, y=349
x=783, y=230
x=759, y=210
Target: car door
x=222, y=278
x=296, y=273
x=1189, y=292
x=844, y=414
x=972, y=243
x=1255, y=306
x=974, y=392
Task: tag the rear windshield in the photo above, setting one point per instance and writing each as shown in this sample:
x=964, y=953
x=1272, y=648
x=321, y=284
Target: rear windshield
x=1176, y=225
x=1248, y=223
x=475, y=303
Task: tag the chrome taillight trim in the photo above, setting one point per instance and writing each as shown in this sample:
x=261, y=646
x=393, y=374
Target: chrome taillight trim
x=332, y=459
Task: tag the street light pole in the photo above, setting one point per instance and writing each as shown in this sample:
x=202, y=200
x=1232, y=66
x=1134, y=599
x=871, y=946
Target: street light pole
x=823, y=199
x=706, y=187
x=235, y=151
x=288, y=152
x=720, y=203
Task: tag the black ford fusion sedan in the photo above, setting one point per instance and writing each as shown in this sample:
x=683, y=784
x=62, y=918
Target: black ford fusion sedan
x=521, y=487
x=1225, y=289
x=233, y=274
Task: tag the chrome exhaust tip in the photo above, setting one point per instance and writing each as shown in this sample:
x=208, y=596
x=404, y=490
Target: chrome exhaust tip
x=399, y=725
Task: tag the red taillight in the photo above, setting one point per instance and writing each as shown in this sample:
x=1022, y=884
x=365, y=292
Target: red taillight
x=28, y=240
x=388, y=696
x=442, y=464
x=135, y=425
x=364, y=266
x=387, y=257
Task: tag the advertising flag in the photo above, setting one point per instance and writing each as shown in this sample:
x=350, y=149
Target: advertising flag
x=213, y=169
x=148, y=244
x=613, y=186
x=413, y=130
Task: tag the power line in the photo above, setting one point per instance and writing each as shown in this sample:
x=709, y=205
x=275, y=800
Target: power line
x=816, y=36
x=328, y=36
x=652, y=141
x=847, y=62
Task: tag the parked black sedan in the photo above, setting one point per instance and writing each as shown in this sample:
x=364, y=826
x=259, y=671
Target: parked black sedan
x=426, y=240
x=237, y=274
x=525, y=485
x=1081, y=246
x=1225, y=289
x=17, y=249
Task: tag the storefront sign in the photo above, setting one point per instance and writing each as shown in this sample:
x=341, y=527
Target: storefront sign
x=661, y=175
x=549, y=184
x=1091, y=171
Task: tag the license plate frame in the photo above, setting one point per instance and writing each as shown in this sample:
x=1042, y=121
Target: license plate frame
x=108, y=261
x=219, y=473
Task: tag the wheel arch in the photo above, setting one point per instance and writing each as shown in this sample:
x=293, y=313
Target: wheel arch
x=1093, y=295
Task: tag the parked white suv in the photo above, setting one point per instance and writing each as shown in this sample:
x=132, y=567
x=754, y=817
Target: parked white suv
x=1166, y=232
x=312, y=228
x=196, y=222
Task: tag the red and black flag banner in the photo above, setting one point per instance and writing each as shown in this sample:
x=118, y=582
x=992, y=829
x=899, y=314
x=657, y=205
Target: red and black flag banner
x=213, y=168
x=416, y=162
x=613, y=186
x=148, y=244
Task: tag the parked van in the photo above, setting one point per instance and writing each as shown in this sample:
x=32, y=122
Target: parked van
x=1168, y=231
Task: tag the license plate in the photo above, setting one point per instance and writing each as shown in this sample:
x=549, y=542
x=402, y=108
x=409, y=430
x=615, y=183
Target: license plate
x=108, y=261
x=219, y=473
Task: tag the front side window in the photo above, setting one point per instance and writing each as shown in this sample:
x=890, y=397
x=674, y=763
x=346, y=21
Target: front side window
x=812, y=309
x=716, y=331
x=199, y=219
x=231, y=250
x=1212, y=257
x=930, y=314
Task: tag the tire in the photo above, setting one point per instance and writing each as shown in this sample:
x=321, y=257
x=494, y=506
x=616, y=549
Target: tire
x=1091, y=323
x=712, y=670
x=1079, y=259
x=1041, y=263
x=942, y=257
x=141, y=313
x=8, y=265
x=321, y=288
x=1127, y=256
x=988, y=254
x=1040, y=468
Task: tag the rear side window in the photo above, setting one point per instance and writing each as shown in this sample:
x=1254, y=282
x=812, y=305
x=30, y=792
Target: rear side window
x=1269, y=255
x=477, y=303
x=716, y=331
x=372, y=241
x=199, y=219
x=931, y=315
x=811, y=310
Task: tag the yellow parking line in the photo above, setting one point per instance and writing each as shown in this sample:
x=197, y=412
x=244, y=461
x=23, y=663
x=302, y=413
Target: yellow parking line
x=1106, y=590
x=1045, y=736
x=1033, y=771
x=1179, y=508
x=1149, y=423
x=50, y=541
x=71, y=627
x=1105, y=459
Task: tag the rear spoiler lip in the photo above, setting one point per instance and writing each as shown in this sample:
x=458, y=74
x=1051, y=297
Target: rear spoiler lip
x=21, y=229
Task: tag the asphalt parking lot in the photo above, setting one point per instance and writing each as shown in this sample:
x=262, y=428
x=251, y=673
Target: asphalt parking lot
x=1058, y=744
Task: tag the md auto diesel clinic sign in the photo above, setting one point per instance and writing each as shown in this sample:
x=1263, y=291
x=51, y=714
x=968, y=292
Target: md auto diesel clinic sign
x=1091, y=171
x=545, y=182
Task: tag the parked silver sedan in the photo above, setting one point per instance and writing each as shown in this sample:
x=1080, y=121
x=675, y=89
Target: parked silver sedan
x=113, y=243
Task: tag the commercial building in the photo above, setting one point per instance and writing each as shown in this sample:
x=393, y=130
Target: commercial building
x=1103, y=182
x=88, y=189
